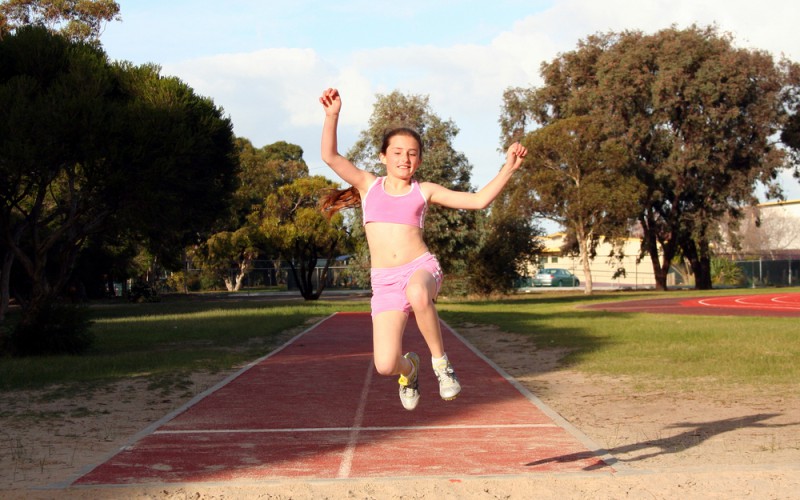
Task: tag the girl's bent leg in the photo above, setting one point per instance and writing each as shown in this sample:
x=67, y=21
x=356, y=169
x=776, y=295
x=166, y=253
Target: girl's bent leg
x=421, y=291
x=387, y=343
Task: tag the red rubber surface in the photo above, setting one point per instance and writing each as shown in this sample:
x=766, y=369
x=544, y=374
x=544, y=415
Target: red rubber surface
x=768, y=304
x=315, y=409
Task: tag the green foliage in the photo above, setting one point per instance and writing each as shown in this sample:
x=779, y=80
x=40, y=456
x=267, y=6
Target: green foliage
x=261, y=172
x=790, y=135
x=457, y=284
x=577, y=178
x=726, y=272
x=181, y=163
x=56, y=329
x=143, y=291
x=91, y=150
x=181, y=282
x=172, y=337
x=77, y=20
x=303, y=236
x=695, y=115
x=508, y=245
x=230, y=252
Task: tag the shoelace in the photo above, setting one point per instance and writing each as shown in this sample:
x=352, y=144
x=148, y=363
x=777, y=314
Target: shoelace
x=446, y=372
x=407, y=388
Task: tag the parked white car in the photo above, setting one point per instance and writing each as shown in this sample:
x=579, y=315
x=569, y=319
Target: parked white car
x=555, y=277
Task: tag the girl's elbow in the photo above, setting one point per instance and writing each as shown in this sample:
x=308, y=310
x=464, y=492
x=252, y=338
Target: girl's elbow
x=328, y=158
x=483, y=203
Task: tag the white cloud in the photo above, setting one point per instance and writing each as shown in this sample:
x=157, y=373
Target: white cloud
x=272, y=94
x=264, y=91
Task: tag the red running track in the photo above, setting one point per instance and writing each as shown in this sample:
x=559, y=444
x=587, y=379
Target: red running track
x=315, y=409
x=771, y=304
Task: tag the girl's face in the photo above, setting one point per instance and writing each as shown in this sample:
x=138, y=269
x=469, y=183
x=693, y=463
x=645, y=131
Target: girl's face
x=402, y=157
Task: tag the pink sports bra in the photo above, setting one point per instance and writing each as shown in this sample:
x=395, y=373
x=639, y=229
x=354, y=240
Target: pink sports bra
x=409, y=208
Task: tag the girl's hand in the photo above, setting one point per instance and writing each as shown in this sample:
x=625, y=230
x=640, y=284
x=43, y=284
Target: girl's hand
x=331, y=101
x=514, y=156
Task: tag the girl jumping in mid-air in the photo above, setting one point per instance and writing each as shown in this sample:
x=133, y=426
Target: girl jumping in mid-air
x=405, y=276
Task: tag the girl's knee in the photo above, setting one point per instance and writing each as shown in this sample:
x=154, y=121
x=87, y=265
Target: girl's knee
x=386, y=366
x=418, y=296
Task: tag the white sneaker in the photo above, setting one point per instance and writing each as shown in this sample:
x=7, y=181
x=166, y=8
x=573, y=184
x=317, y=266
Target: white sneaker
x=409, y=385
x=449, y=388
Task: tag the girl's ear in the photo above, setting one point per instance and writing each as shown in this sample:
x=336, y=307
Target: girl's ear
x=382, y=158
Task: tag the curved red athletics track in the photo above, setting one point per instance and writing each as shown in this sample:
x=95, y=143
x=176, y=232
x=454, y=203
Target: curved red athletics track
x=770, y=304
x=315, y=409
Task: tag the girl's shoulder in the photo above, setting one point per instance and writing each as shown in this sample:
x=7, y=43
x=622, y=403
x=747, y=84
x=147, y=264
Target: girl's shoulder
x=368, y=180
x=429, y=188
x=426, y=186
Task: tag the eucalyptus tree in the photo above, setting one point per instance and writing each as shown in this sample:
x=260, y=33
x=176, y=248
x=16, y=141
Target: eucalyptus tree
x=303, y=236
x=237, y=241
x=697, y=117
x=78, y=20
x=790, y=135
x=89, y=148
x=574, y=178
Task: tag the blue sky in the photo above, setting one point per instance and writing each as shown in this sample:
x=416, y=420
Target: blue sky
x=266, y=62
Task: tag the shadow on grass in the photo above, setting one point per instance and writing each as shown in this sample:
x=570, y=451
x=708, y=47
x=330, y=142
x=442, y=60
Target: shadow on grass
x=559, y=329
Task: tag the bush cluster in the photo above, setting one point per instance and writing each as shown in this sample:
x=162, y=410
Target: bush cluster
x=57, y=329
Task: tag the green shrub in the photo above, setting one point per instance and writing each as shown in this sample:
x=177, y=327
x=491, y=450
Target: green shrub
x=726, y=272
x=142, y=291
x=56, y=329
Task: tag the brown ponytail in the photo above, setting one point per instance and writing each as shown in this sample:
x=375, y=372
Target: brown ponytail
x=337, y=199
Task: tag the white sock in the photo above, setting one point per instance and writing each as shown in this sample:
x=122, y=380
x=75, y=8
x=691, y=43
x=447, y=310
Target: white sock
x=439, y=361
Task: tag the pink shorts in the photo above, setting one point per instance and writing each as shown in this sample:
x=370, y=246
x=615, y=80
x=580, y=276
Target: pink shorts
x=389, y=283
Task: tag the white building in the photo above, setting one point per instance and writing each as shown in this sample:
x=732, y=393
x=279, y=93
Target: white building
x=606, y=271
x=774, y=239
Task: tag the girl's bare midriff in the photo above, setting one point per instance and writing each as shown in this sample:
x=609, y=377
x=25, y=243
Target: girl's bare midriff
x=392, y=245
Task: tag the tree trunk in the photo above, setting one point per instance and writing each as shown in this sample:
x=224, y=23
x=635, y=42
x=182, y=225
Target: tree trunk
x=702, y=274
x=700, y=260
x=228, y=283
x=304, y=276
x=37, y=302
x=244, y=268
x=651, y=246
x=5, y=284
x=661, y=263
x=584, y=244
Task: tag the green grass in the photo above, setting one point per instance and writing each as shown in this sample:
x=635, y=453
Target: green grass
x=168, y=340
x=160, y=340
x=729, y=350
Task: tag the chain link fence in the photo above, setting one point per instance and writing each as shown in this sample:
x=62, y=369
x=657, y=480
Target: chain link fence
x=770, y=272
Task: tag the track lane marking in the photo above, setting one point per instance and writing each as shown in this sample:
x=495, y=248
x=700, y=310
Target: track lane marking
x=750, y=301
x=349, y=452
x=360, y=429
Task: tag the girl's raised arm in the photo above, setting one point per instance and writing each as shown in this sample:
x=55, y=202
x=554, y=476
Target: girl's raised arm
x=461, y=200
x=343, y=167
